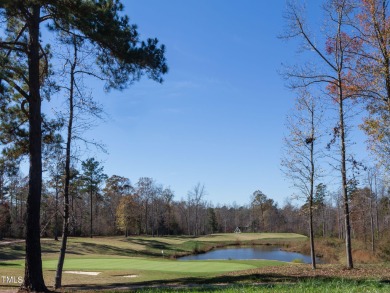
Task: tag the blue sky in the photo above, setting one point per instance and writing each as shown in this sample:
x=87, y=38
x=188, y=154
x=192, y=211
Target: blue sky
x=219, y=116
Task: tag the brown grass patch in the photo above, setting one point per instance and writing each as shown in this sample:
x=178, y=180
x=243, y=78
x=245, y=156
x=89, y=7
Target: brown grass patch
x=332, y=251
x=364, y=256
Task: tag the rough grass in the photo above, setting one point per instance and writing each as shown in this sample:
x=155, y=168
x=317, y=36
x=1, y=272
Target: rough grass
x=332, y=250
x=320, y=286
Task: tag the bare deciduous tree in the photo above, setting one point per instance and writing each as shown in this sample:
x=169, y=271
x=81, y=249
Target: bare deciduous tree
x=195, y=198
x=301, y=156
x=337, y=75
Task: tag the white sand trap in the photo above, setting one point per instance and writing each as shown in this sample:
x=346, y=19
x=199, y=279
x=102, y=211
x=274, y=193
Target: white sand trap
x=131, y=276
x=82, y=273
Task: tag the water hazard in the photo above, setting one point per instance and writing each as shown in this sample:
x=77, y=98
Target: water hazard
x=259, y=252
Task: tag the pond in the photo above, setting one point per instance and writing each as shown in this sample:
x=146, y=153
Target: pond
x=258, y=252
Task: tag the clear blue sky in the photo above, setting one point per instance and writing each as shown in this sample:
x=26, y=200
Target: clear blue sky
x=219, y=116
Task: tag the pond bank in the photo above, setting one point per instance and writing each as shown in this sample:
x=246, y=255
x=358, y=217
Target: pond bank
x=259, y=252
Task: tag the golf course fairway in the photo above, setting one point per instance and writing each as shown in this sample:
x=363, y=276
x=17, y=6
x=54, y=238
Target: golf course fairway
x=116, y=257
x=98, y=264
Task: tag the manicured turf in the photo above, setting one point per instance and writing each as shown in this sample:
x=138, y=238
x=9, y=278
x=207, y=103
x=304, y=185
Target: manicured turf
x=116, y=257
x=144, y=246
x=250, y=236
x=98, y=264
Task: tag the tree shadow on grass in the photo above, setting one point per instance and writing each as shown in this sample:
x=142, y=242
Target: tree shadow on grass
x=9, y=264
x=158, y=246
x=12, y=252
x=104, y=249
x=50, y=247
x=217, y=283
x=95, y=248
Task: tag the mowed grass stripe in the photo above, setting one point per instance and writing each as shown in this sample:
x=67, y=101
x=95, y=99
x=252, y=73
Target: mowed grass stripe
x=99, y=264
x=250, y=237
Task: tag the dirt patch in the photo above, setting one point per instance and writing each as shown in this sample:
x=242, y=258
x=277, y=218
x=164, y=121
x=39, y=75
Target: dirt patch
x=131, y=276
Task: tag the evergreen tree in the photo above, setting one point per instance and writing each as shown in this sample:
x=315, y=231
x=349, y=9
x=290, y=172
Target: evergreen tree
x=212, y=220
x=120, y=54
x=92, y=177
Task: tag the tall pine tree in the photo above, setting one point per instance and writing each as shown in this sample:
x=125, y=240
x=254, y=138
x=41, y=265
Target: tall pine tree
x=119, y=52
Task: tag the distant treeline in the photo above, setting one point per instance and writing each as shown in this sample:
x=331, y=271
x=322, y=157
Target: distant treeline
x=120, y=207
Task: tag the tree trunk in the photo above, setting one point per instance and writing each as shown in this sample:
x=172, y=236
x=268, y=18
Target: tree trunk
x=146, y=217
x=1, y=185
x=312, y=172
x=339, y=218
x=65, y=232
x=91, y=216
x=65, y=229
x=372, y=223
x=196, y=221
x=323, y=221
x=56, y=212
x=74, y=216
x=364, y=229
x=33, y=278
x=348, y=244
x=188, y=222
x=312, y=250
x=376, y=208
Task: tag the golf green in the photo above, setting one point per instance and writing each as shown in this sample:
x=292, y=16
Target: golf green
x=98, y=264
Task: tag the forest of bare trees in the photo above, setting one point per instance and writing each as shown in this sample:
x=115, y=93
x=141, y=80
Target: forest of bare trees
x=146, y=207
x=348, y=73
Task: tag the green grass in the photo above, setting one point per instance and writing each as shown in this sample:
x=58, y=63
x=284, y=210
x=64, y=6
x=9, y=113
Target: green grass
x=178, y=246
x=104, y=263
x=98, y=264
x=310, y=286
x=286, y=288
x=251, y=237
x=141, y=246
x=147, y=271
x=116, y=257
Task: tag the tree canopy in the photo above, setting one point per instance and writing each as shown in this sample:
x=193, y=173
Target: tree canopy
x=25, y=68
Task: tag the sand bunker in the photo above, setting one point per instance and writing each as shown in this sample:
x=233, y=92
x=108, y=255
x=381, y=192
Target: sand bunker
x=82, y=273
x=131, y=276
